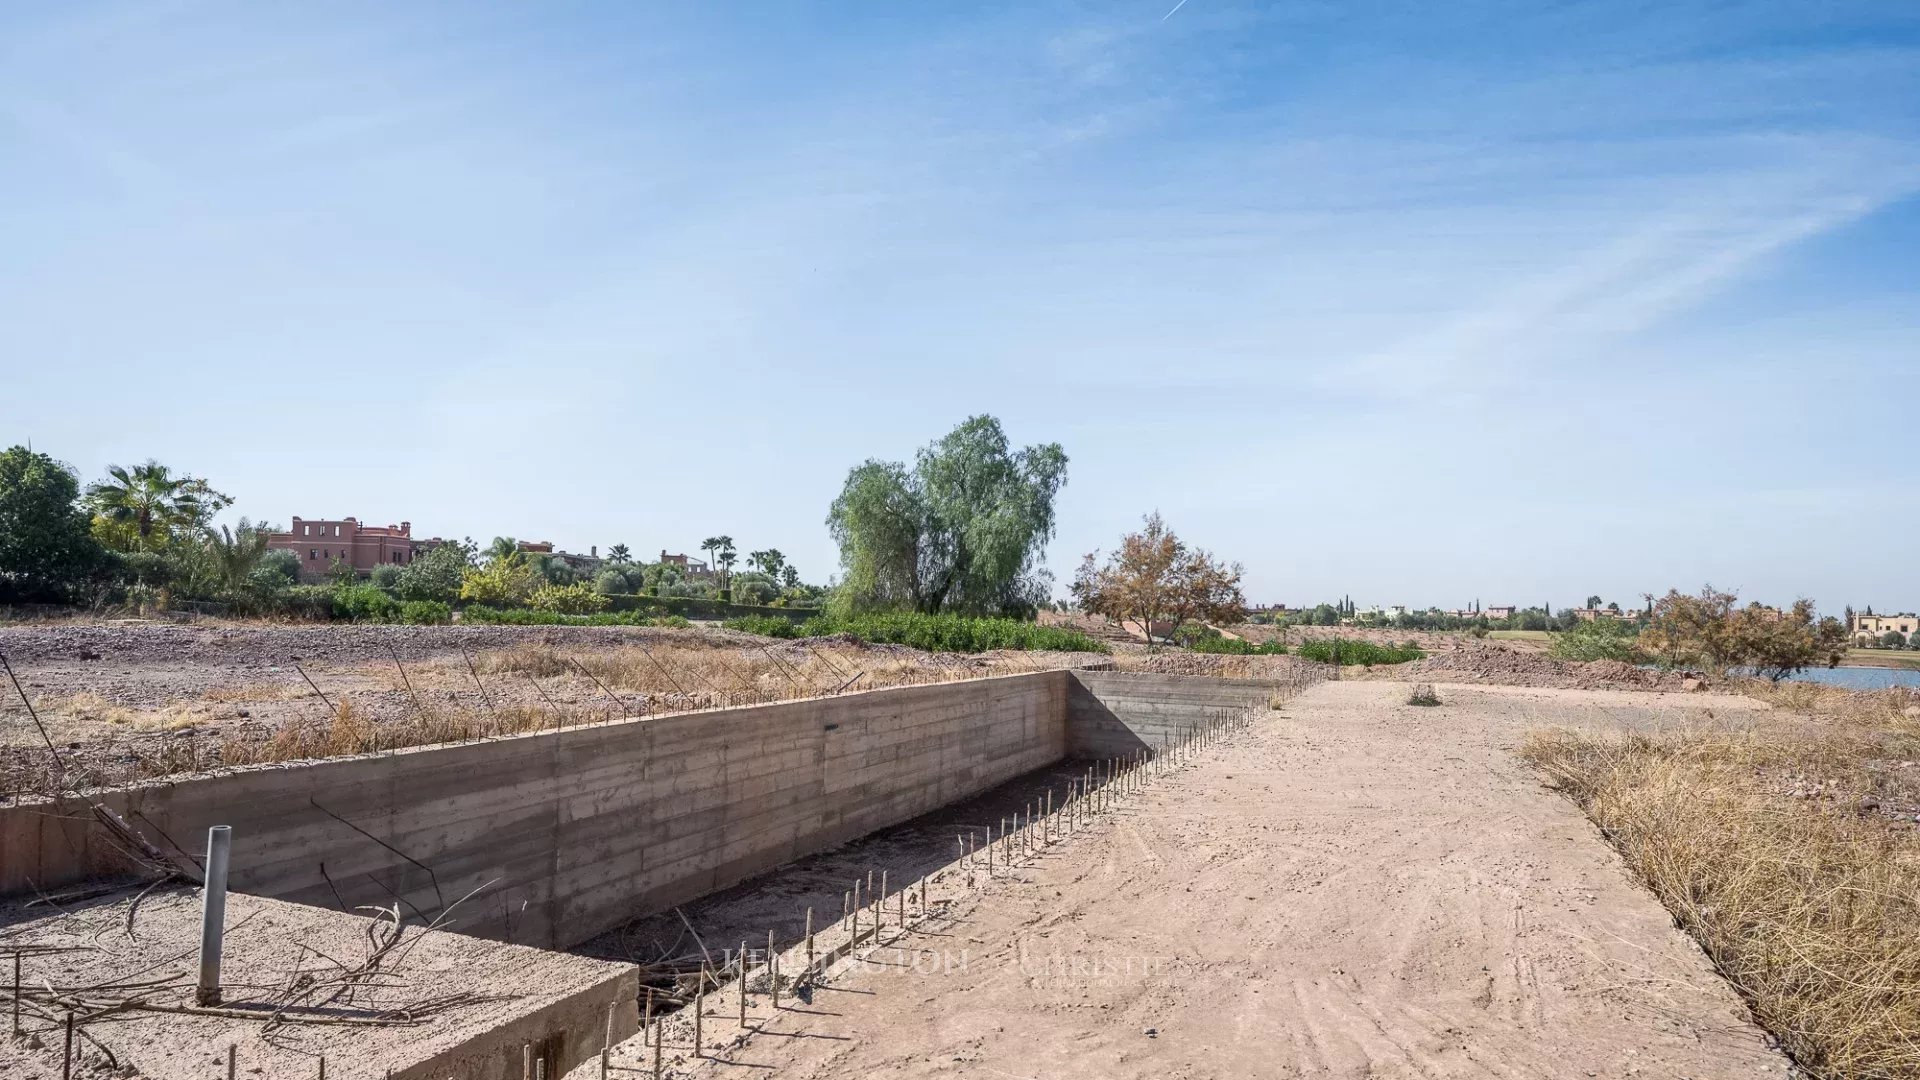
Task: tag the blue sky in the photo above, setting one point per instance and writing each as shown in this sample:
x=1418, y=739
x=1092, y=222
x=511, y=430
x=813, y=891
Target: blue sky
x=1420, y=303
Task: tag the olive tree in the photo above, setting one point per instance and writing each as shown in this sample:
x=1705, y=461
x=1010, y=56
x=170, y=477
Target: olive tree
x=962, y=530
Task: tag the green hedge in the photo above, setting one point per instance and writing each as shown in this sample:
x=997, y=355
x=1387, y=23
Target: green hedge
x=1346, y=653
x=764, y=625
x=936, y=633
x=481, y=614
x=693, y=607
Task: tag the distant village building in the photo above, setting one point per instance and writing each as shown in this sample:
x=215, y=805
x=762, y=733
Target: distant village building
x=1589, y=614
x=588, y=564
x=1501, y=611
x=321, y=545
x=690, y=566
x=1869, y=629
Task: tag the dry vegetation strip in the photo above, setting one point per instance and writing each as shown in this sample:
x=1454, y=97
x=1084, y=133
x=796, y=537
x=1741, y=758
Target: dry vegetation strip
x=1790, y=854
x=495, y=693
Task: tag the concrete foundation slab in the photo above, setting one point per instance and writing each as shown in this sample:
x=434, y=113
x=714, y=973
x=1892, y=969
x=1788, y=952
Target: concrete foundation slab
x=435, y=1005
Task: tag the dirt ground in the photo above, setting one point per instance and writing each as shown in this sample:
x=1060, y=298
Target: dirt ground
x=1353, y=887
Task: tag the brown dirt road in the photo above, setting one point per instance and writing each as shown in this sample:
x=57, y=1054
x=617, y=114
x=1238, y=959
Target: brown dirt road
x=1352, y=888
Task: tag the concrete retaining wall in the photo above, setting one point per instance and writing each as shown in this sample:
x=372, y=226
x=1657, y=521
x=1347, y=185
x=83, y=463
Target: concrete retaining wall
x=563, y=835
x=1119, y=713
x=572, y=833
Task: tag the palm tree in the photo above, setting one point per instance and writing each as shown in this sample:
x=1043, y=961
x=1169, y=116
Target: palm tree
x=236, y=552
x=767, y=562
x=149, y=500
x=789, y=577
x=503, y=547
x=721, y=549
x=619, y=555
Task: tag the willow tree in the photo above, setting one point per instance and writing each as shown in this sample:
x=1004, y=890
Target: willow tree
x=963, y=530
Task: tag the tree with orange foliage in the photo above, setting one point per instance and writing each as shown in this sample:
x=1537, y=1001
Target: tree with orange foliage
x=1156, y=578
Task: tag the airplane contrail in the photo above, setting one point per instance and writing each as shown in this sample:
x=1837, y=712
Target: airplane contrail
x=1176, y=7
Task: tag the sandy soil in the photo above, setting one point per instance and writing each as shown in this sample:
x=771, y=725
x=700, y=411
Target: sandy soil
x=1352, y=888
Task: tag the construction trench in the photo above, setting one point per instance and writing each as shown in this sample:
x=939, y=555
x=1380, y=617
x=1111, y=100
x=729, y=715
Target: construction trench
x=597, y=839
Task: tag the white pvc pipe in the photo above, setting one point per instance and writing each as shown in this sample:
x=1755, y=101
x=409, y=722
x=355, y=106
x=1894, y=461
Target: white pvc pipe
x=213, y=914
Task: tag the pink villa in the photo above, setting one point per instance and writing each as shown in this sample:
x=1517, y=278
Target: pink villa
x=320, y=544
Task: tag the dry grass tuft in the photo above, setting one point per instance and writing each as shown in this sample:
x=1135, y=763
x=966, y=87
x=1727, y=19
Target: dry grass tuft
x=88, y=706
x=1771, y=848
x=350, y=731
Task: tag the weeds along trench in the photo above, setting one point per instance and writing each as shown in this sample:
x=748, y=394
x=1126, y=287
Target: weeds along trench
x=1790, y=853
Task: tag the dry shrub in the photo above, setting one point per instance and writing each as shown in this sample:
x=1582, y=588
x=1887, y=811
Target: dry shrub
x=540, y=661
x=350, y=731
x=1808, y=906
x=529, y=687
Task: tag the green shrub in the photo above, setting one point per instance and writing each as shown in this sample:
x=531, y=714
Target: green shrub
x=433, y=575
x=1597, y=639
x=304, y=602
x=425, y=612
x=1347, y=653
x=278, y=568
x=950, y=633
x=614, y=580
x=764, y=625
x=576, y=599
x=364, y=603
x=1236, y=646
x=502, y=581
x=386, y=576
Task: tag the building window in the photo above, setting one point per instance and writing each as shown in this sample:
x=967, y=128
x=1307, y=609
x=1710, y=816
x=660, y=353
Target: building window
x=313, y=554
